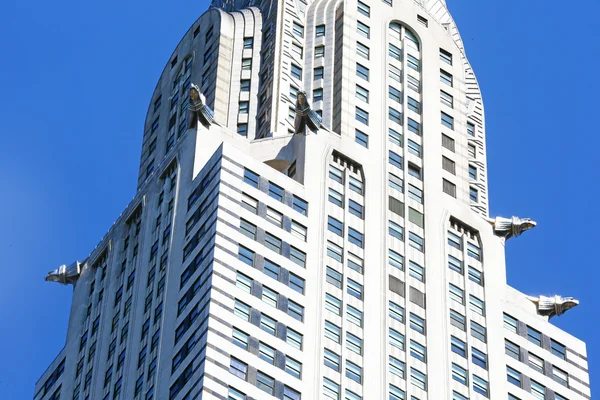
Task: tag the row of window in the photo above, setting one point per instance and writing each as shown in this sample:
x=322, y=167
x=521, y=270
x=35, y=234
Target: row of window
x=513, y=350
x=264, y=382
x=275, y=192
x=535, y=337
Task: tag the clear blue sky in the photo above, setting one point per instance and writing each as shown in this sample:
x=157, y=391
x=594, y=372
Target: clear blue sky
x=76, y=78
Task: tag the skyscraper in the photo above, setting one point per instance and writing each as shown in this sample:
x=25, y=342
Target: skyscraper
x=311, y=222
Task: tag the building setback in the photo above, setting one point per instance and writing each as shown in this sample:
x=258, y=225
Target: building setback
x=311, y=222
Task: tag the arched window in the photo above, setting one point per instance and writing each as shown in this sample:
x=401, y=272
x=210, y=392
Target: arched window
x=395, y=30
x=411, y=39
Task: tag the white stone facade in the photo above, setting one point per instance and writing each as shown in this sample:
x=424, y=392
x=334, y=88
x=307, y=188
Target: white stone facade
x=349, y=263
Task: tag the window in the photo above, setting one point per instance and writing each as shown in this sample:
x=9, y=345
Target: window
x=248, y=229
x=273, y=243
x=534, y=336
x=318, y=73
x=397, y=367
x=395, y=115
x=457, y=320
x=512, y=350
x=513, y=376
x=274, y=217
x=243, y=282
x=333, y=304
x=242, y=310
x=414, y=171
x=414, y=148
x=354, y=315
x=478, y=331
x=396, y=182
x=395, y=52
x=240, y=338
x=331, y=360
x=418, y=351
x=297, y=283
x=363, y=9
x=446, y=78
x=320, y=30
x=265, y=383
x=335, y=226
x=458, y=346
x=395, y=260
x=362, y=93
x=536, y=363
x=446, y=56
x=395, y=311
x=479, y=358
x=457, y=294
x=362, y=116
x=298, y=231
x=412, y=62
x=251, y=178
x=415, y=193
x=355, y=237
x=395, y=230
x=472, y=151
x=470, y=129
x=270, y=297
x=296, y=72
x=417, y=323
x=238, y=368
x=538, y=390
x=355, y=209
x=234, y=394
x=246, y=64
x=395, y=73
x=317, y=95
x=290, y=394
x=396, y=339
x=275, y=192
x=363, y=29
x=472, y=173
x=416, y=241
x=477, y=305
x=475, y=276
x=413, y=83
x=362, y=72
x=510, y=323
x=396, y=393
x=560, y=376
x=331, y=389
x=266, y=353
x=455, y=264
x=353, y=372
x=336, y=174
x=271, y=269
x=332, y=331
x=416, y=271
x=298, y=30
x=447, y=121
x=558, y=350
x=319, y=51
x=300, y=205
x=268, y=324
x=356, y=185
x=334, y=251
x=418, y=379
x=294, y=338
x=459, y=374
x=295, y=310
x=414, y=105
x=354, y=289
x=298, y=256
x=473, y=251
x=353, y=343
x=458, y=396
x=414, y=126
x=446, y=99
x=336, y=198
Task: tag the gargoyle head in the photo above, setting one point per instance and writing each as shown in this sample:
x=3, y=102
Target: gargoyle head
x=566, y=303
x=301, y=100
x=526, y=224
x=195, y=94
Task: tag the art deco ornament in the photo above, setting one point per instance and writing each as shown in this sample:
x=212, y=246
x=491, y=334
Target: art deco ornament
x=551, y=306
x=306, y=117
x=509, y=227
x=198, y=110
x=66, y=275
